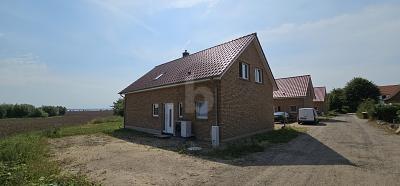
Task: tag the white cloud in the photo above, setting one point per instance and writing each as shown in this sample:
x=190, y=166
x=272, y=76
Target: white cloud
x=334, y=50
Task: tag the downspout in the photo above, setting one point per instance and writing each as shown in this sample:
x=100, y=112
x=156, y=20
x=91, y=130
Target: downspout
x=216, y=101
x=123, y=96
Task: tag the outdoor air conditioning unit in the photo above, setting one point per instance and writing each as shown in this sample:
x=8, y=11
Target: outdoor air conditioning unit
x=186, y=129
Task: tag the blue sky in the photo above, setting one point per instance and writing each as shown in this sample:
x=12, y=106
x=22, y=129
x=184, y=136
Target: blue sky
x=82, y=53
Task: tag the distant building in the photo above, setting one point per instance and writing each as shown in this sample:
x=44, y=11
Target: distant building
x=390, y=93
x=294, y=93
x=320, y=100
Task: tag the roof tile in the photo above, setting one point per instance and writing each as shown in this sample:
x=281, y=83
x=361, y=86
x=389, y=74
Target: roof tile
x=292, y=86
x=207, y=63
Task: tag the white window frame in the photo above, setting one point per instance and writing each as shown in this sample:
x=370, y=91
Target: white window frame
x=180, y=110
x=199, y=114
x=258, y=75
x=245, y=71
x=154, y=107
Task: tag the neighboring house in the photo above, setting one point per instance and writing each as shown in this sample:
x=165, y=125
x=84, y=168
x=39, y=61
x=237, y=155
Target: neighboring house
x=293, y=93
x=390, y=93
x=229, y=85
x=320, y=100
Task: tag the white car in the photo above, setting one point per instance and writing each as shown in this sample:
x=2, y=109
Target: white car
x=307, y=115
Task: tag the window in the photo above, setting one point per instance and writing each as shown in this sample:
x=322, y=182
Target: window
x=258, y=75
x=201, y=110
x=244, y=70
x=158, y=76
x=293, y=109
x=180, y=110
x=155, y=110
x=279, y=108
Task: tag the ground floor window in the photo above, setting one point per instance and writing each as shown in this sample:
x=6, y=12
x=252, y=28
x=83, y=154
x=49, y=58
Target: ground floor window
x=201, y=110
x=155, y=110
x=180, y=110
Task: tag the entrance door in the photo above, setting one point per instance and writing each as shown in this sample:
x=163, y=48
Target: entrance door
x=169, y=118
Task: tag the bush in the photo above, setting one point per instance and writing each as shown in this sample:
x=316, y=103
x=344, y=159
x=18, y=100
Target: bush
x=51, y=110
x=61, y=110
x=367, y=106
x=23, y=110
x=9, y=110
x=38, y=112
x=387, y=112
x=3, y=112
x=118, y=107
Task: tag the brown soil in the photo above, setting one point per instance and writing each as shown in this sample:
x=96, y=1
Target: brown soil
x=344, y=151
x=18, y=125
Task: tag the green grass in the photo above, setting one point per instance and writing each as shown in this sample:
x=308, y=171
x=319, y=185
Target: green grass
x=24, y=158
x=256, y=143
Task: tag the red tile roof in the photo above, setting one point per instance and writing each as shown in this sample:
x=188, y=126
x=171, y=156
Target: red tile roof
x=389, y=90
x=211, y=62
x=320, y=93
x=292, y=86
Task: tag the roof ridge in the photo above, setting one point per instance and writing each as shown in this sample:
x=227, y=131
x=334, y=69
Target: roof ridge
x=388, y=85
x=294, y=76
x=255, y=34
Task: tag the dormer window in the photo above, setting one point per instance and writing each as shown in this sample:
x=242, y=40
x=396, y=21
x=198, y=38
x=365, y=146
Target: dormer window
x=158, y=76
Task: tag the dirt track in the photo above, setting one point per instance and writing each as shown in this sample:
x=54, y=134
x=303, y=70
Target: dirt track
x=347, y=151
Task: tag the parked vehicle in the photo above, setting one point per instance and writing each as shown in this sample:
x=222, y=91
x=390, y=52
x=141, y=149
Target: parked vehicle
x=307, y=115
x=281, y=117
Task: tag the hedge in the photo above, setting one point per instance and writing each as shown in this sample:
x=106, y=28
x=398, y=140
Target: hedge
x=26, y=110
x=385, y=112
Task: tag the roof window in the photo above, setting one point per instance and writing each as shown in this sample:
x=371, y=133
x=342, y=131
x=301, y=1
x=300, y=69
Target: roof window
x=158, y=76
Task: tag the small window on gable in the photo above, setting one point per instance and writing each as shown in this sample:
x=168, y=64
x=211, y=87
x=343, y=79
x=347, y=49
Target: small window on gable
x=244, y=70
x=155, y=110
x=201, y=110
x=158, y=76
x=258, y=75
x=180, y=110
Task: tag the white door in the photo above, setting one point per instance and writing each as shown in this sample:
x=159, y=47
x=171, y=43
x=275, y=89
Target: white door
x=169, y=118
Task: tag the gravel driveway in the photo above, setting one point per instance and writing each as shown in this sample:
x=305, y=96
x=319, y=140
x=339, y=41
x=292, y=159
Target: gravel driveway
x=344, y=151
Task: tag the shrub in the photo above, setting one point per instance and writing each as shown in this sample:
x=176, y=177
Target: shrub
x=9, y=108
x=387, y=112
x=51, y=110
x=23, y=110
x=118, y=107
x=3, y=112
x=367, y=106
x=61, y=110
x=38, y=112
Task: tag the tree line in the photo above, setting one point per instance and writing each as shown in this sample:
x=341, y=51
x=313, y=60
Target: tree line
x=27, y=110
x=362, y=96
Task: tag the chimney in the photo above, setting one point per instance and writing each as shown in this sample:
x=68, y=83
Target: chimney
x=186, y=53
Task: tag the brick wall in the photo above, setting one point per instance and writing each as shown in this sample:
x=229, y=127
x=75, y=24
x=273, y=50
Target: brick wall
x=246, y=106
x=139, y=107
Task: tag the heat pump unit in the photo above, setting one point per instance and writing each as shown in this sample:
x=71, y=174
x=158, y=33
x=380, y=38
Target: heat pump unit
x=186, y=129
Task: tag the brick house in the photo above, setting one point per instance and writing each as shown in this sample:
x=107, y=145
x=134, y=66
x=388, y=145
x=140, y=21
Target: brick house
x=293, y=93
x=390, y=93
x=320, y=100
x=229, y=85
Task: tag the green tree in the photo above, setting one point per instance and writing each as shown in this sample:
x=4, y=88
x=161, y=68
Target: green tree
x=359, y=89
x=336, y=99
x=118, y=107
x=51, y=110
